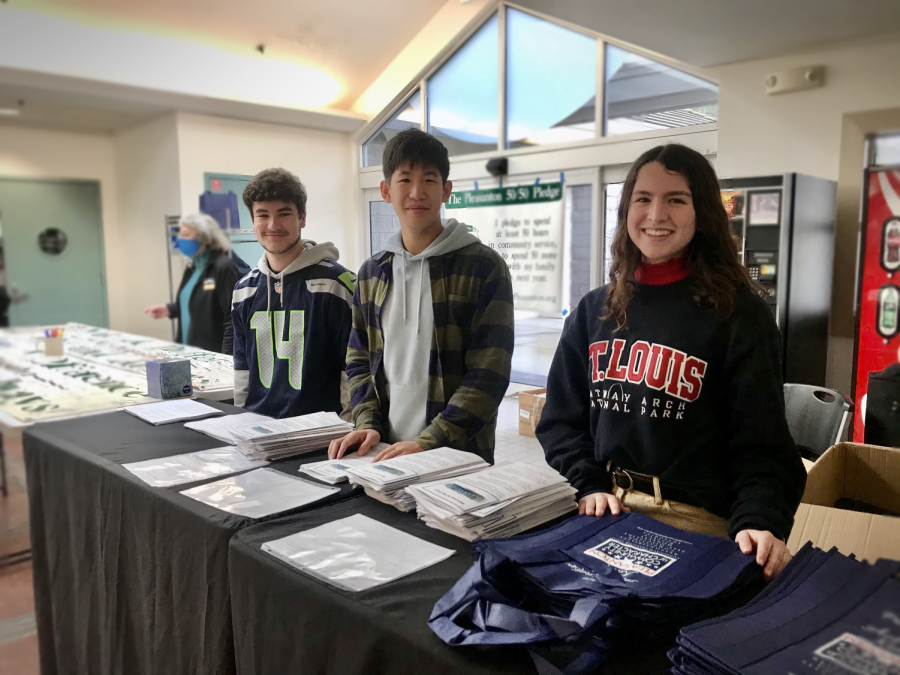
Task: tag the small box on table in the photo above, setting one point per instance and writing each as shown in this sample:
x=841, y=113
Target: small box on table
x=169, y=379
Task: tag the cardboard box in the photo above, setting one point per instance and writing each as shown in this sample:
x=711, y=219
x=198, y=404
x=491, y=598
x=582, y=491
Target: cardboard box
x=169, y=379
x=867, y=473
x=531, y=403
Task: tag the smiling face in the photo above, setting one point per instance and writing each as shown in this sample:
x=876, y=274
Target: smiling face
x=417, y=193
x=661, y=219
x=277, y=225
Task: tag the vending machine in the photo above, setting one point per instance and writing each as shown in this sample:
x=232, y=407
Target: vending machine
x=785, y=227
x=878, y=285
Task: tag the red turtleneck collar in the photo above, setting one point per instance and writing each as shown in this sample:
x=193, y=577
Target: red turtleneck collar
x=663, y=273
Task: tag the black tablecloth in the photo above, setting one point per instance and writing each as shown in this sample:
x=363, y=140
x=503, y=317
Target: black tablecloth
x=129, y=579
x=287, y=622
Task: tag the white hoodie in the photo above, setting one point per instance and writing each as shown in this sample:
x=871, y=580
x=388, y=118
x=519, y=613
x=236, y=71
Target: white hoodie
x=407, y=323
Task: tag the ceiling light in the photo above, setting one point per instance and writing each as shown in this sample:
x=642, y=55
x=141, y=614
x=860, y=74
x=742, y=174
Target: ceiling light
x=12, y=112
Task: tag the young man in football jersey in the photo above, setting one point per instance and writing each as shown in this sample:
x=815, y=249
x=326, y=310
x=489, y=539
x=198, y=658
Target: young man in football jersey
x=291, y=314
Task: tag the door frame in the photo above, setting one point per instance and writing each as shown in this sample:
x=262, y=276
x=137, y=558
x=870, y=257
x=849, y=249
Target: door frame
x=101, y=245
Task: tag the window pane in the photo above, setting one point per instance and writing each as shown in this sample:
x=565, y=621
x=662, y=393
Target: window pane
x=887, y=150
x=551, y=89
x=407, y=116
x=642, y=95
x=462, y=95
x=383, y=223
x=610, y=222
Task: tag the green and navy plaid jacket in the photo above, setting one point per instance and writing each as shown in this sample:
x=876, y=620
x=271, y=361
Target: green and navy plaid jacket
x=471, y=348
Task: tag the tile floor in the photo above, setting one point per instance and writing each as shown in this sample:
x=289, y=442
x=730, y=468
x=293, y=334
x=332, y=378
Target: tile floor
x=535, y=344
x=18, y=635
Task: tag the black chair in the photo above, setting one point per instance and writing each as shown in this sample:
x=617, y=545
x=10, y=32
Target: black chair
x=816, y=417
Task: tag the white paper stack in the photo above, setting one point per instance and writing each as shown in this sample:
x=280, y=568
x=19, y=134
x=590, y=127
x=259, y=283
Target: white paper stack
x=291, y=436
x=335, y=470
x=387, y=481
x=166, y=412
x=498, y=502
x=357, y=552
x=221, y=428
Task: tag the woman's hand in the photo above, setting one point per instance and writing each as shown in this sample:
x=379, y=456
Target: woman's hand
x=365, y=439
x=157, y=311
x=771, y=553
x=597, y=503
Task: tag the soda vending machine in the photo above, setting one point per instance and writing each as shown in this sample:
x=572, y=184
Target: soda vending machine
x=878, y=285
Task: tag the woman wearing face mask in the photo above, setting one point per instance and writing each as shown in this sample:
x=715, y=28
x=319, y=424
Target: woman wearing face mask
x=202, y=308
x=665, y=394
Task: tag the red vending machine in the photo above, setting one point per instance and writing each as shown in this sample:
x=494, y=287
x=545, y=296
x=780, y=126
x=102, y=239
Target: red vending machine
x=878, y=296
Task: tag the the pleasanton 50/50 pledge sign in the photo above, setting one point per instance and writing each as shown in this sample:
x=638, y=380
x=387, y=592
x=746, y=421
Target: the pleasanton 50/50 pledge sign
x=524, y=225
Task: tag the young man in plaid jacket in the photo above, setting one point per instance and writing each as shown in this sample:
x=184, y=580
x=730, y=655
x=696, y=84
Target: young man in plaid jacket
x=432, y=338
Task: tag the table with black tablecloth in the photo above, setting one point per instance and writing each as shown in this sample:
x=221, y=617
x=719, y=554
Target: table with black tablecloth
x=129, y=579
x=286, y=621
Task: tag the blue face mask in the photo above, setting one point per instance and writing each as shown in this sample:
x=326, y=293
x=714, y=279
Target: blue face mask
x=187, y=246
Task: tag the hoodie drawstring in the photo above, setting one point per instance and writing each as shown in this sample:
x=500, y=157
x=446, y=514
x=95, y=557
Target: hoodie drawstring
x=403, y=256
x=419, y=296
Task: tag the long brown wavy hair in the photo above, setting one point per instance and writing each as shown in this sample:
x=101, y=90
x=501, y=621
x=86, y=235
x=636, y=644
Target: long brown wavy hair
x=711, y=256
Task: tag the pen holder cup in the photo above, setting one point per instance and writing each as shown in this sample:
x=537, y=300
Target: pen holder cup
x=169, y=379
x=53, y=346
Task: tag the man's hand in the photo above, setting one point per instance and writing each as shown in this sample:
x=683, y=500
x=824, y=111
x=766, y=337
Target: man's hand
x=397, y=449
x=596, y=504
x=771, y=554
x=365, y=439
x=157, y=311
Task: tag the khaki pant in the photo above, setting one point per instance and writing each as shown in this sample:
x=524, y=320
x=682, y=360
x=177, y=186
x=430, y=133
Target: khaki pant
x=692, y=518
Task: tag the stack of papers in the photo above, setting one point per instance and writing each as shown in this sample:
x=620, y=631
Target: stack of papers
x=291, y=436
x=498, y=502
x=192, y=467
x=260, y=493
x=387, y=481
x=335, y=470
x=166, y=412
x=221, y=428
x=356, y=553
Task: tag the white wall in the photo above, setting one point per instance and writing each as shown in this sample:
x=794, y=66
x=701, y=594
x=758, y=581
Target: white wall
x=39, y=153
x=764, y=135
x=59, y=45
x=318, y=158
x=146, y=159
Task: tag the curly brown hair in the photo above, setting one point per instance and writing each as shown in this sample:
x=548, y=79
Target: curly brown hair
x=711, y=256
x=275, y=185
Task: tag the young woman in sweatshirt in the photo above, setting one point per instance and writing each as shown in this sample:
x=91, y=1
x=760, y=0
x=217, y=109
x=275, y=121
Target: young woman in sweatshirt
x=665, y=393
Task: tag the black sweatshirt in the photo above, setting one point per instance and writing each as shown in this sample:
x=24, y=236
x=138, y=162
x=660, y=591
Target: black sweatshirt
x=680, y=394
x=210, y=303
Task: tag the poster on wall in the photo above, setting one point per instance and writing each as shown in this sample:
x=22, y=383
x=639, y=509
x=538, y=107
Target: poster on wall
x=525, y=225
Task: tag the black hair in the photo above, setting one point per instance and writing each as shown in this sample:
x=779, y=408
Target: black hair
x=275, y=185
x=415, y=147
